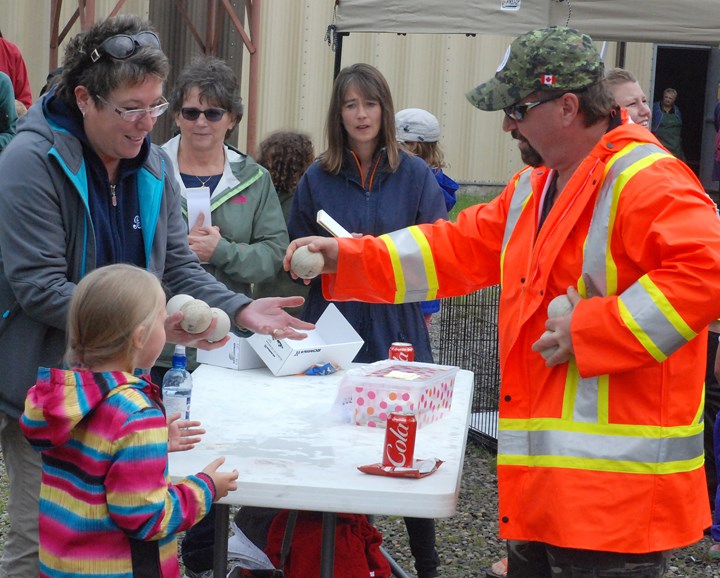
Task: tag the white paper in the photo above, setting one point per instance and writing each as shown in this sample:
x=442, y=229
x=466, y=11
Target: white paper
x=331, y=225
x=198, y=203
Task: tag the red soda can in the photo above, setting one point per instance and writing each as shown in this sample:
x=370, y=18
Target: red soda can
x=401, y=351
x=399, y=449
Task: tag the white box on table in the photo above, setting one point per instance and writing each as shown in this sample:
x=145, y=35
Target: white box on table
x=235, y=354
x=332, y=341
x=369, y=393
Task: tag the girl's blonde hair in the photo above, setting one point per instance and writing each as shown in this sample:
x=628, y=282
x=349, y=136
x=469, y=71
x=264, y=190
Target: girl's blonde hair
x=108, y=305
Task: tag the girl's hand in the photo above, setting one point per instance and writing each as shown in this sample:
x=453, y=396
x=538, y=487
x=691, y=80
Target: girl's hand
x=224, y=481
x=183, y=434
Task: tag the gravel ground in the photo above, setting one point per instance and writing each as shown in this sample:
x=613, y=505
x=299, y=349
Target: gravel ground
x=468, y=542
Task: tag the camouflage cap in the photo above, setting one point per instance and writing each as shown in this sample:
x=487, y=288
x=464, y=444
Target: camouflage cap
x=556, y=58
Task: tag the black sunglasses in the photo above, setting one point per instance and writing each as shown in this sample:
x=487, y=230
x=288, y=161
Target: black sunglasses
x=517, y=112
x=212, y=114
x=122, y=46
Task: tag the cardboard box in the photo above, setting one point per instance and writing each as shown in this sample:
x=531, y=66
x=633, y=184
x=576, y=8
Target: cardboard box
x=235, y=354
x=368, y=394
x=332, y=341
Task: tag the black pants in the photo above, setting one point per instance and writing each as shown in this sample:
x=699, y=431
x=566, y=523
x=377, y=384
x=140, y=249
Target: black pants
x=712, y=406
x=197, y=545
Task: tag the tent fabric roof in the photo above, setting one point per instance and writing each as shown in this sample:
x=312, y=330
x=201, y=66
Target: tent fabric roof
x=657, y=21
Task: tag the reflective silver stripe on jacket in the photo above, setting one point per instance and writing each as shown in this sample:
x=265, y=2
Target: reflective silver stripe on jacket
x=410, y=253
x=521, y=194
x=653, y=320
x=595, y=259
x=644, y=309
x=582, y=437
x=638, y=449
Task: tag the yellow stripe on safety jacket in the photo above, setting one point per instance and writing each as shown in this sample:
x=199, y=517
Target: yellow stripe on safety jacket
x=653, y=320
x=582, y=437
x=642, y=306
x=550, y=442
x=413, y=265
x=521, y=196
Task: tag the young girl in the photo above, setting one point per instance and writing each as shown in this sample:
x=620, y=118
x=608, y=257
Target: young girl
x=107, y=506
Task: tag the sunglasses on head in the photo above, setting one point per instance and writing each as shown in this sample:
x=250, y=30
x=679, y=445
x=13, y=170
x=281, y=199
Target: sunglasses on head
x=122, y=46
x=212, y=114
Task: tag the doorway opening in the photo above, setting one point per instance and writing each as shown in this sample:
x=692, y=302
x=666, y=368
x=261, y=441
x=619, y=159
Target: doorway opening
x=685, y=70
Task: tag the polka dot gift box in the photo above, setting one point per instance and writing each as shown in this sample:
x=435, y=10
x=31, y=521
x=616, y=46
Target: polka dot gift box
x=376, y=390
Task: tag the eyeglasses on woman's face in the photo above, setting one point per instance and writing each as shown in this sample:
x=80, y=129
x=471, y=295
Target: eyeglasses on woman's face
x=135, y=114
x=211, y=114
x=122, y=46
x=517, y=112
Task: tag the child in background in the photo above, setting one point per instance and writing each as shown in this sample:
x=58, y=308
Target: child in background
x=107, y=506
x=286, y=155
x=419, y=132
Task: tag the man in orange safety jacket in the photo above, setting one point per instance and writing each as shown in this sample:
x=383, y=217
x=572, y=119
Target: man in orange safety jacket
x=600, y=443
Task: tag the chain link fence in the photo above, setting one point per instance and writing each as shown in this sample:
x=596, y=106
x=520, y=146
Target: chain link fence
x=469, y=339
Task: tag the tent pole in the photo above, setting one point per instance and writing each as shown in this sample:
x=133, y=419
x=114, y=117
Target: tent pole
x=338, y=53
x=621, y=51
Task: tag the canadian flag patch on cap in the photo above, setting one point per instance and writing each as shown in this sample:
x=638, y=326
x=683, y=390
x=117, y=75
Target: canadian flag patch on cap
x=548, y=79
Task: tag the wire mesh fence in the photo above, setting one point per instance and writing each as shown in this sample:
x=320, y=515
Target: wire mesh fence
x=469, y=339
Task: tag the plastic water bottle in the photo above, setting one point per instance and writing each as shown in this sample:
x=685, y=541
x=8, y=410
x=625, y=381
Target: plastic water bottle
x=177, y=386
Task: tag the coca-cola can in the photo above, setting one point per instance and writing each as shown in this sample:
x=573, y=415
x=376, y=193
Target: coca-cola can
x=399, y=449
x=401, y=351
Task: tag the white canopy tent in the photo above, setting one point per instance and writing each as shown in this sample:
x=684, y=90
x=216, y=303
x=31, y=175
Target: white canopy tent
x=683, y=25
x=657, y=21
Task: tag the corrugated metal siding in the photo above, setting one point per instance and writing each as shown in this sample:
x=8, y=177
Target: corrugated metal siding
x=428, y=71
x=27, y=24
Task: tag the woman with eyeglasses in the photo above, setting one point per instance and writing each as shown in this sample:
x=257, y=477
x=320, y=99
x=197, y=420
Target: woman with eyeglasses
x=246, y=241
x=83, y=187
x=247, y=238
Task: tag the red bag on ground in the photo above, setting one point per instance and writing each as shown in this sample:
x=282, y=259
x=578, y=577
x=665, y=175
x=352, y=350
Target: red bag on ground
x=357, y=547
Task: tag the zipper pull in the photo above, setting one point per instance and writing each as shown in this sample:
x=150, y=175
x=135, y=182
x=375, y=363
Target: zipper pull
x=113, y=196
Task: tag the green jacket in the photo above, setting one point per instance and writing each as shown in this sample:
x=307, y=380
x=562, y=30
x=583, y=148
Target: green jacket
x=282, y=285
x=254, y=236
x=246, y=208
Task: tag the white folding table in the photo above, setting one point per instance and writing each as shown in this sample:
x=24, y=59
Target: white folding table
x=292, y=452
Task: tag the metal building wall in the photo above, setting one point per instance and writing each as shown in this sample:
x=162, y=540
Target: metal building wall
x=181, y=47
x=428, y=71
x=27, y=24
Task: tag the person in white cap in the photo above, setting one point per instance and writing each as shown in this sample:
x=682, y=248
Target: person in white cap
x=419, y=131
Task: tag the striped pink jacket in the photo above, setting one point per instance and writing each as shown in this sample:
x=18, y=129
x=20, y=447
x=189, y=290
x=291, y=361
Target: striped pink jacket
x=107, y=506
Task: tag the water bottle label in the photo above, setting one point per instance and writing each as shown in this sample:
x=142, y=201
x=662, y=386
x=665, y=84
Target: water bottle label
x=174, y=405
